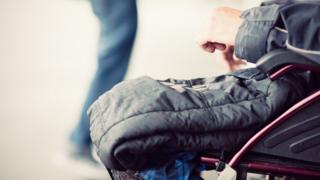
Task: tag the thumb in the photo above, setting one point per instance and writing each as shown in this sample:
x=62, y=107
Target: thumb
x=220, y=46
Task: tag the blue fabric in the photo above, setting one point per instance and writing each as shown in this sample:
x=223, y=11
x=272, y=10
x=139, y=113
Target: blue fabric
x=118, y=24
x=185, y=167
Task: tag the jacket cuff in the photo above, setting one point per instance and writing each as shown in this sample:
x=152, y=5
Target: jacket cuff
x=251, y=38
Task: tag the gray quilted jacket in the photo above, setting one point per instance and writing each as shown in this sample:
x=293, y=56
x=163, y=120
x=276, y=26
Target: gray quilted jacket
x=144, y=123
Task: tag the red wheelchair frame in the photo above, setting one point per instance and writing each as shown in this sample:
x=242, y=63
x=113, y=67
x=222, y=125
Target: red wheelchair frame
x=287, y=156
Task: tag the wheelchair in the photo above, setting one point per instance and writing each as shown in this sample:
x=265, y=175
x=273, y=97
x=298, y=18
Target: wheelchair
x=288, y=146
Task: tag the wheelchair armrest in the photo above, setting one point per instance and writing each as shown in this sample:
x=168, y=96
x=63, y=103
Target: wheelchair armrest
x=281, y=57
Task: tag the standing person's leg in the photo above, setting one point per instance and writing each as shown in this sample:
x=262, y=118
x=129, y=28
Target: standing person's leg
x=118, y=23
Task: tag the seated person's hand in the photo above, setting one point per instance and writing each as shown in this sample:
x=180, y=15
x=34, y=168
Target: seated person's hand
x=233, y=62
x=221, y=33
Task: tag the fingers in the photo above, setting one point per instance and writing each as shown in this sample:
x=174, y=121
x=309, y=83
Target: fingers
x=212, y=46
x=220, y=46
x=209, y=47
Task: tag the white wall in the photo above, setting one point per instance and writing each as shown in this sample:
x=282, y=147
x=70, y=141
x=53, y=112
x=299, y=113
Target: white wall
x=47, y=59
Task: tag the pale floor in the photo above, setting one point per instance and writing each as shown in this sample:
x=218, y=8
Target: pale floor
x=47, y=58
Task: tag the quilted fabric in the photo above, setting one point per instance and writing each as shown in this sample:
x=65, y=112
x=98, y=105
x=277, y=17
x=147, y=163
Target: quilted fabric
x=144, y=123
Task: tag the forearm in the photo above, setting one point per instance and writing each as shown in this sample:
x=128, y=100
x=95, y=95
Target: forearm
x=252, y=36
x=303, y=29
x=294, y=26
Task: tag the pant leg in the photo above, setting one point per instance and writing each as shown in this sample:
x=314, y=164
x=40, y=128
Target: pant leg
x=118, y=23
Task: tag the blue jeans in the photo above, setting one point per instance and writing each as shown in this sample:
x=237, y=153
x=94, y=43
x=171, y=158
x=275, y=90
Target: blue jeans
x=118, y=24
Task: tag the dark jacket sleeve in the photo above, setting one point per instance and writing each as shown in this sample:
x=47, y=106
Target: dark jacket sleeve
x=292, y=25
